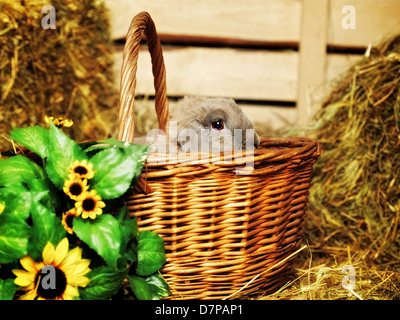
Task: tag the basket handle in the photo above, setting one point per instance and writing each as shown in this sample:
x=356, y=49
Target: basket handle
x=141, y=23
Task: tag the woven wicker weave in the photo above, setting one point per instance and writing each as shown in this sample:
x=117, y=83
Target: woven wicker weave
x=221, y=229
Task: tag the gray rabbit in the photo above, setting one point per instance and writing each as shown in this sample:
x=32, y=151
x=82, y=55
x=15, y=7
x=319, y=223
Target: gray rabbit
x=200, y=124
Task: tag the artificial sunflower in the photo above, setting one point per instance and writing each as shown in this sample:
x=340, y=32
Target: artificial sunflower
x=89, y=204
x=67, y=220
x=75, y=186
x=83, y=169
x=59, y=122
x=56, y=277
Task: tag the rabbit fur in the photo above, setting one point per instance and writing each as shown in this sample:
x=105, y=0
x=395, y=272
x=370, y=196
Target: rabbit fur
x=204, y=124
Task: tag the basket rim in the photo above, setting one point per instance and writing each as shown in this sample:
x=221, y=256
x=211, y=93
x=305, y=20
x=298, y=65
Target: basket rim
x=271, y=150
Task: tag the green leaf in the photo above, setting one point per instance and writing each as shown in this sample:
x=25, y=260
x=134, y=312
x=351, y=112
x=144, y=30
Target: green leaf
x=14, y=236
x=107, y=144
x=7, y=289
x=129, y=234
x=44, y=188
x=150, y=288
x=116, y=168
x=18, y=169
x=129, y=230
x=62, y=151
x=128, y=225
x=46, y=227
x=139, y=154
x=140, y=288
x=151, y=253
x=159, y=286
x=34, y=138
x=104, y=283
x=17, y=200
x=101, y=234
x=122, y=214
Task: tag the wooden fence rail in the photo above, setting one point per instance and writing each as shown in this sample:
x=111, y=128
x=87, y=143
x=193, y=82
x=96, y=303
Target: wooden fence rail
x=274, y=51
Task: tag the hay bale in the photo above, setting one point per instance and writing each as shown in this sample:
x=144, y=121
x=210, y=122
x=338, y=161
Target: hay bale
x=355, y=194
x=63, y=72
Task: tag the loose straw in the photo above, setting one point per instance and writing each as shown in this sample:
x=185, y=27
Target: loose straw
x=269, y=269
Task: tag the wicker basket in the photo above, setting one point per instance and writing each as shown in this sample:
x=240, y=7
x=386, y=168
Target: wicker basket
x=227, y=235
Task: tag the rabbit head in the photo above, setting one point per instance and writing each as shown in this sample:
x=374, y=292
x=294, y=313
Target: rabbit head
x=212, y=125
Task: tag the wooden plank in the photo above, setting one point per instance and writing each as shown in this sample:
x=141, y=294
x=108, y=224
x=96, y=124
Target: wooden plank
x=257, y=20
x=336, y=65
x=268, y=120
x=180, y=83
x=374, y=20
x=240, y=74
x=312, y=54
x=339, y=63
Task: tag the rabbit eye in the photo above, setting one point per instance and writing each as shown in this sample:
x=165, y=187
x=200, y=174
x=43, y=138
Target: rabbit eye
x=217, y=125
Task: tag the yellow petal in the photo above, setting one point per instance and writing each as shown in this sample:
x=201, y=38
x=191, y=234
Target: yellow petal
x=61, y=251
x=23, y=278
x=48, y=254
x=79, y=281
x=78, y=204
x=30, y=295
x=70, y=292
x=73, y=257
x=79, y=208
x=101, y=204
x=82, y=267
x=29, y=264
x=22, y=282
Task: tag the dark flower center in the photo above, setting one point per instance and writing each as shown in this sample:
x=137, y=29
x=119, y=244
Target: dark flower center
x=50, y=282
x=80, y=170
x=75, y=189
x=68, y=220
x=88, y=204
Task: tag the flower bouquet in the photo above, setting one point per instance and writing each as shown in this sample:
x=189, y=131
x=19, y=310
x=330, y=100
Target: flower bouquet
x=65, y=232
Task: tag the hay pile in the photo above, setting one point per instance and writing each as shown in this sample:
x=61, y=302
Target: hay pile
x=355, y=193
x=62, y=72
x=331, y=278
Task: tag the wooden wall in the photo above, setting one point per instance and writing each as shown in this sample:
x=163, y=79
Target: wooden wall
x=275, y=57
